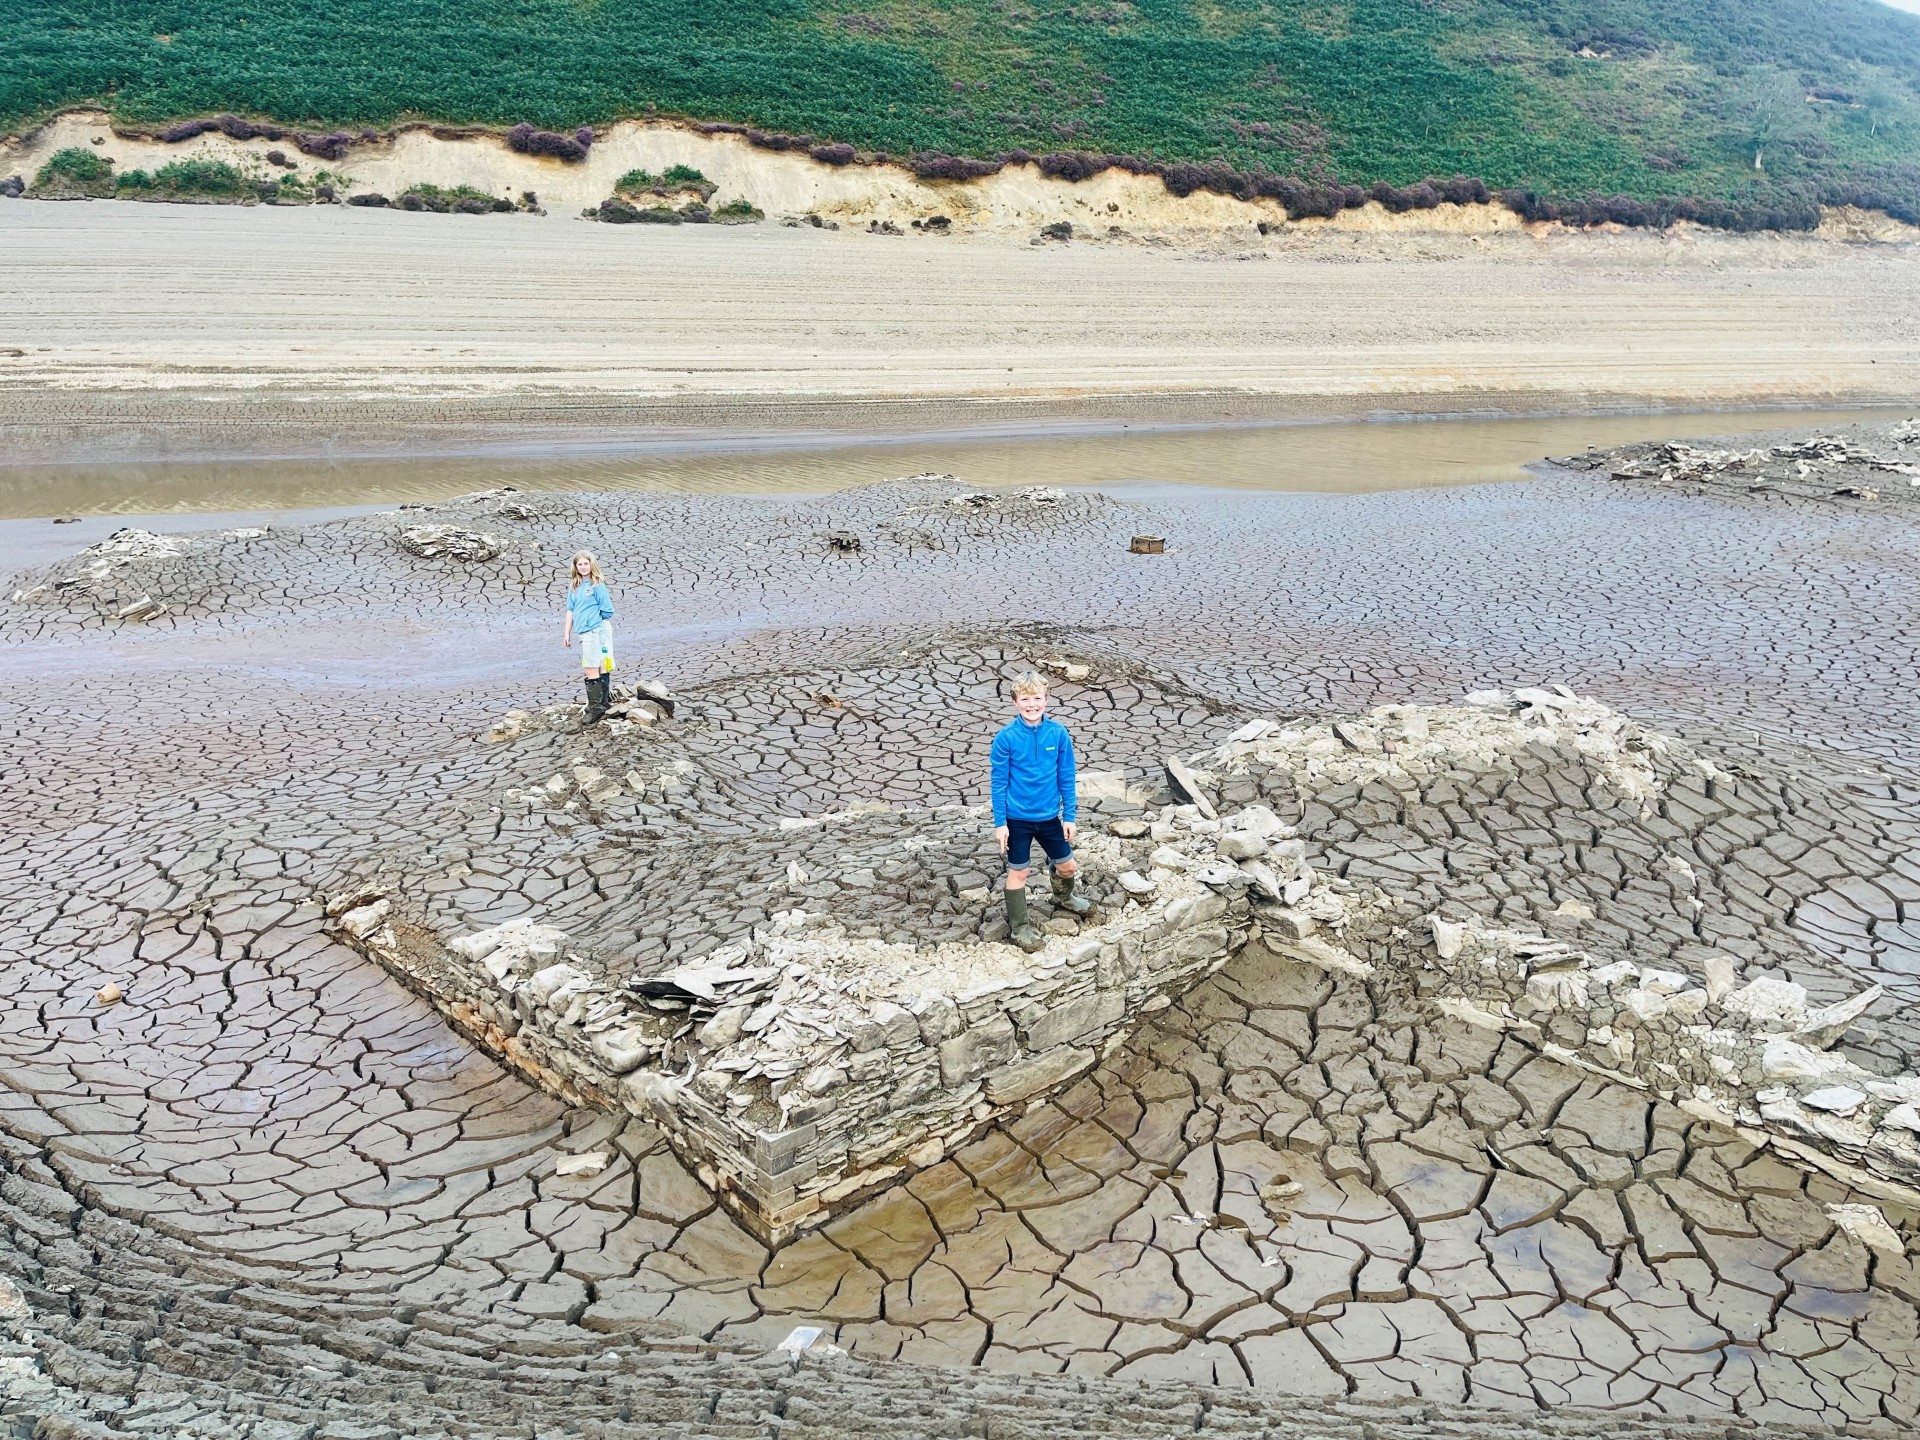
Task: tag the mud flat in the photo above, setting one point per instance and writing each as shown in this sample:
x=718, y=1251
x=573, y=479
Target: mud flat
x=139, y=330
x=1473, y=1189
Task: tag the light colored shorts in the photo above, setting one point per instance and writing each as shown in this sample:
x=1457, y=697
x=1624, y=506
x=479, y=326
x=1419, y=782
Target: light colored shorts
x=596, y=649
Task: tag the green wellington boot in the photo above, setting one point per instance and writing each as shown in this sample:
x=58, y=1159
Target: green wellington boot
x=596, y=699
x=1025, y=934
x=1065, y=899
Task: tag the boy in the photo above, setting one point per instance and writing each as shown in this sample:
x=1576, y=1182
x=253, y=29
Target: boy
x=1033, y=799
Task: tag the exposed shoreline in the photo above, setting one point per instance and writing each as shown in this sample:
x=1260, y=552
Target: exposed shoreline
x=156, y=331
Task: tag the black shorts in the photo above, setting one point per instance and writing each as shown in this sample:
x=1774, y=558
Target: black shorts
x=1051, y=834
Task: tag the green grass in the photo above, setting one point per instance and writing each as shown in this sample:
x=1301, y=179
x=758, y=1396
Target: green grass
x=1350, y=90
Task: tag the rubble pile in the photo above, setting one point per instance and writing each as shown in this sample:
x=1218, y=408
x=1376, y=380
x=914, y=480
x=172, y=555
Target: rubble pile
x=1807, y=467
x=454, y=542
x=137, y=575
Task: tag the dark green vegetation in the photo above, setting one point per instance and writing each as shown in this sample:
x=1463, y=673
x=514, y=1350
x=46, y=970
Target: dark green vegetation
x=1644, y=98
x=74, y=172
x=197, y=178
x=673, y=178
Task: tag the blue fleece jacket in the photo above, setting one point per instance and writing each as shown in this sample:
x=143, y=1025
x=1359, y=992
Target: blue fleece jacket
x=1033, y=772
x=589, y=605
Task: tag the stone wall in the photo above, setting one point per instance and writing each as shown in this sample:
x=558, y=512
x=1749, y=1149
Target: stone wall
x=800, y=1069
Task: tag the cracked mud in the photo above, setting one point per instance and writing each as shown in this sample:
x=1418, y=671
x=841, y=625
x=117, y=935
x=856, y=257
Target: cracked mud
x=270, y=1191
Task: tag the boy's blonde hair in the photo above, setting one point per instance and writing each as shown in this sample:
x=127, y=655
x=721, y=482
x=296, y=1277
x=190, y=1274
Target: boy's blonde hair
x=573, y=569
x=1028, y=684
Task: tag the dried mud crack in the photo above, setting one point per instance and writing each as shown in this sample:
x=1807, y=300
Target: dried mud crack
x=1520, y=1065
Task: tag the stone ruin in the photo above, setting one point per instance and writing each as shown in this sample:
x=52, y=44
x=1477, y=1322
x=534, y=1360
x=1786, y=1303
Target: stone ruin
x=805, y=1063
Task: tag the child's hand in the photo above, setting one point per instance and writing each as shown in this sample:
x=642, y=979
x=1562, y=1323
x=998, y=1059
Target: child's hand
x=1000, y=834
x=1067, y=828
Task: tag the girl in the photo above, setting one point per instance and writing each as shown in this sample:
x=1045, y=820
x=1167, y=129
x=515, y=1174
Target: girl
x=590, y=616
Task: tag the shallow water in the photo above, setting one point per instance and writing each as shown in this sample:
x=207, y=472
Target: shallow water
x=1341, y=458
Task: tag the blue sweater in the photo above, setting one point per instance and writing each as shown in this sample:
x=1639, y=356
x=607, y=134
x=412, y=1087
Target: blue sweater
x=589, y=604
x=1033, y=772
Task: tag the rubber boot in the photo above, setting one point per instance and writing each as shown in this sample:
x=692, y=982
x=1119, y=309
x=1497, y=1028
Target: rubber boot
x=1025, y=935
x=596, y=699
x=1065, y=899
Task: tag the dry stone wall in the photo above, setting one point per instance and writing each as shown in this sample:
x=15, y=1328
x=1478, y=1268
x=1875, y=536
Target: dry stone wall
x=799, y=1068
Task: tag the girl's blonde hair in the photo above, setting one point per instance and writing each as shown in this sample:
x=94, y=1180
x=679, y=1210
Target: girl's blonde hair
x=573, y=569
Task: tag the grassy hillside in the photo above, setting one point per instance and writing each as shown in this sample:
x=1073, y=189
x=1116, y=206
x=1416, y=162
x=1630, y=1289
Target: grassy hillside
x=1569, y=97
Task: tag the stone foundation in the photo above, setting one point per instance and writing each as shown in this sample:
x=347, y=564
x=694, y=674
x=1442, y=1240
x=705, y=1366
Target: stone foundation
x=799, y=1069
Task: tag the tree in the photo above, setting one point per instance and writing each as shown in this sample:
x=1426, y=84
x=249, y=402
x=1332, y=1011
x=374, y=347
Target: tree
x=1767, y=108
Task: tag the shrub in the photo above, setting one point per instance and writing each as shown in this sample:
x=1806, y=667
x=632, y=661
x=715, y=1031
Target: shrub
x=658, y=215
x=457, y=199
x=529, y=141
x=1058, y=230
x=372, y=198
x=682, y=175
x=213, y=178
x=776, y=141
x=323, y=147
x=836, y=154
x=238, y=129
x=737, y=212
x=616, y=211
x=1185, y=178
x=75, y=167
x=186, y=130
x=1462, y=191
x=934, y=165
x=13, y=187
x=1072, y=165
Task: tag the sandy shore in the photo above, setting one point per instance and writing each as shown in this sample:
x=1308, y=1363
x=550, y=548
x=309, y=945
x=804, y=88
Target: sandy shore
x=148, y=329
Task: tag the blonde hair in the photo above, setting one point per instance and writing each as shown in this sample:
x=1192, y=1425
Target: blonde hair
x=593, y=573
x=1028, y=684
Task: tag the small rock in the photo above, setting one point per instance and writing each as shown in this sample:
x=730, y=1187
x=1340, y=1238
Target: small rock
x=108, y=994
x=1135, y=884
x=1868, y=1224
x=1722, y=972
x=1186, y=785
x=1128, y=829
x=1448, y=936
x=1241, y=845
x=1769, y=1003
x=1836, y=1099
x=590, y=1163
x=145, y=608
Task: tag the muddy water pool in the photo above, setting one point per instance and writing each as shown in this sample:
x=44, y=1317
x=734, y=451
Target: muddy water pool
x=1338, y=458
